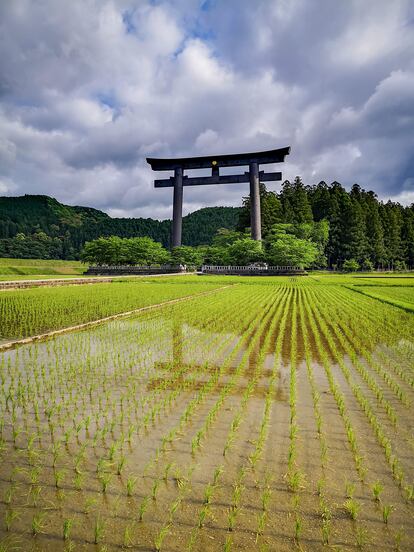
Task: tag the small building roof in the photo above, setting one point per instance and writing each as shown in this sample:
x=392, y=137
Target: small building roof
x=229, y=160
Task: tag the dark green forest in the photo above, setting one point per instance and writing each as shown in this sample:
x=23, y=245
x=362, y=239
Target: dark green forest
x=34, y=226
x=361, y=227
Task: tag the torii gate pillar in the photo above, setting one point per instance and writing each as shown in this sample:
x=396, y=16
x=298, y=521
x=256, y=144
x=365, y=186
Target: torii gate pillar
x=177, y=222
x=255, y=215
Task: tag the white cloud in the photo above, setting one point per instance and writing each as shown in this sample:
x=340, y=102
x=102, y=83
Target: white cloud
x=90, y=88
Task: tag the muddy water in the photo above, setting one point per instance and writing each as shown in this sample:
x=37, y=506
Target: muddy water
x=81, y=408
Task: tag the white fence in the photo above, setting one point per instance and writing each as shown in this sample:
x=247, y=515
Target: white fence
x=250, y=268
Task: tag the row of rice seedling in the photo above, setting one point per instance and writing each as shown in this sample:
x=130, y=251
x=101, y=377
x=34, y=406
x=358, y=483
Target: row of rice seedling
x=325, y=508
x=29, y=312
x=234, y=425
x=382, y=433
x=335, y=388
x=323, y=314
x=248, y=468
x=368, y=320
x=265, y=483
x=400, y=296
x=374, y=323
x=351, y=505
x=211, y=487
x=360, y=396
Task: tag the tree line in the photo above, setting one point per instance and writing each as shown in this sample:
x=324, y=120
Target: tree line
x=287, y=244
x=41, y=227
x=362, y=229
x=340, y=228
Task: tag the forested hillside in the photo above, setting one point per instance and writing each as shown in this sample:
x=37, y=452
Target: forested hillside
x=36, y=226
x=361, y=227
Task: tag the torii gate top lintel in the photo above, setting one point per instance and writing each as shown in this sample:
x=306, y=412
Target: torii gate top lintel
x=253, y=159
x=229, y=160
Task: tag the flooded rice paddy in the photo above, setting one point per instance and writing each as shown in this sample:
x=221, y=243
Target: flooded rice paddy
x=260, y=417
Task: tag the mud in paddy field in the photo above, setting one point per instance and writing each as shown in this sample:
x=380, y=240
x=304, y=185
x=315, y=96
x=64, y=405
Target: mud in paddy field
x=268, y=417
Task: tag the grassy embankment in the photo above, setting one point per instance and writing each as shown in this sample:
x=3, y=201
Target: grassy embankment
x=17, y=269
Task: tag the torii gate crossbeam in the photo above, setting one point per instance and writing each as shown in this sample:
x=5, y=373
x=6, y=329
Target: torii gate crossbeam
x=253, y=176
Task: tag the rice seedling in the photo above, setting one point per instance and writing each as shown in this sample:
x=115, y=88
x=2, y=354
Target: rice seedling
x=326, y=531
x=362, y=537
x=352, y=508
x=120, y=464
x=202, y=516
x=162, y=534
x=296, y=481
x=154, y=490
x=89, y=504
x=98, y=530
x=265, y=498
x=105, y=479
x=128, y=540
x=228, y=544
x=261, y=523
x=131, y=484
x=78, y=481
x=174, y=507
x=142, y=508
x=386, y=512
x=38, y=523
x=398, y=538
x=59, y=476
x=9, y=517
x=167, y=470
x=298, y=528
x=349, y=489
x=377, y=489
x=231, y=519
x=208, y=493
x=8, y=496
x=67, y=527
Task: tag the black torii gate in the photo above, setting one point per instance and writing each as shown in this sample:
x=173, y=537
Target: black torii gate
x=254, y=176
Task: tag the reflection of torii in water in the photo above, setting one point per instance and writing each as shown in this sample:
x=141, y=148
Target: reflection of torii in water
x=179, y=362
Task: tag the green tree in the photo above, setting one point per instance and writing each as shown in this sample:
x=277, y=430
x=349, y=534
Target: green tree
x=333, y=248
x=350, y=265
x=367, y=265
x=245, y=251
x=295, y=202
x=407, y=235
x=353, y=242
x=320, y=199
x=374, y=230
x=225, y=237
x=316, y=232
x=118, y=251
x=103, y=251
x=288, y=250
x=392, y=224
x=320, y=236
x=187, y=255
x=215, y=255
x=143, y=251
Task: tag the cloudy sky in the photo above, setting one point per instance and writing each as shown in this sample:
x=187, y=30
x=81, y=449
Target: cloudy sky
x=89, y=88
